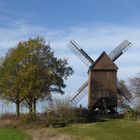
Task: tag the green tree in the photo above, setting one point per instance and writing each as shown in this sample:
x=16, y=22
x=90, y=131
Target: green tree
x=37, y=72
x=10, y=78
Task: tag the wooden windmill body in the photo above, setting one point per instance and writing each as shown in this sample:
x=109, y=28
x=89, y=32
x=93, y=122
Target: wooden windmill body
x=102, y=91
x=102, y=85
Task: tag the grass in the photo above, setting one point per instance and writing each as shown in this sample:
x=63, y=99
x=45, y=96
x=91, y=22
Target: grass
x=118, y=129
x=13, y=134
x=111, y=129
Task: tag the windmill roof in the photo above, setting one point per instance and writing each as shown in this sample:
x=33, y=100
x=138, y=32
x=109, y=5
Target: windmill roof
x=104, y=62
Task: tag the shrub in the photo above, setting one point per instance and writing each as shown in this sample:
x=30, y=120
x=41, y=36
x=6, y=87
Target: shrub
x=63, y=113
x=26, y=118
x=129, y=113
x=8, y=116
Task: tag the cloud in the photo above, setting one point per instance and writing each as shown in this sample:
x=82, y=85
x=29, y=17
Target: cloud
x=101, y=37
x=96, y=39
x=9, y=37
x=92, y=38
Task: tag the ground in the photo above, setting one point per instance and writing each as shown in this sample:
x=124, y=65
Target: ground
x=112, y=129
x=13, y=134
x=48, y=134
x=118, y=129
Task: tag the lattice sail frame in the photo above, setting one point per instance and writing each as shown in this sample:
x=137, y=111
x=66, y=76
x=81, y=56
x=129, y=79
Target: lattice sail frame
x=118, y=51
x=81, y=92
x=83, y=56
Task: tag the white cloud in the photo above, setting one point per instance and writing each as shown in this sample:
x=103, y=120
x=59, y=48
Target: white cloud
x=17, y=31
x=93, y=39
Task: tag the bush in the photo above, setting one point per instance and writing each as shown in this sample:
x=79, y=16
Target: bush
x=27, y=118
x=129, y=113
x=8, y=116
x=63, y=113
x=52, y=121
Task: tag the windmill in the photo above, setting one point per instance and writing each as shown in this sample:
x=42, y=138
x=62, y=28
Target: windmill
x=102, y=85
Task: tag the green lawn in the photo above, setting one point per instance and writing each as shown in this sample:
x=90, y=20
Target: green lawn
x=12, y=134
x=109, y=130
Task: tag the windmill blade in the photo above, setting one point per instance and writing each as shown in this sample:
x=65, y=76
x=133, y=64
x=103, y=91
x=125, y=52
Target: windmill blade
x=122, y=90
x=83, y=56
x=123, y=97
x=82, y=91
x=119, y=50
x=122, y=102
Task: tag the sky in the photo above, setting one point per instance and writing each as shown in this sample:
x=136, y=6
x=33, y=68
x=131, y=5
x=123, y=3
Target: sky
x=96, y=25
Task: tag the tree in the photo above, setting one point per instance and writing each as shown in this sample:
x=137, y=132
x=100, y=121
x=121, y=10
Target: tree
x=135, y=84
x=10, y=77
x=37, y=72
x=135, y=88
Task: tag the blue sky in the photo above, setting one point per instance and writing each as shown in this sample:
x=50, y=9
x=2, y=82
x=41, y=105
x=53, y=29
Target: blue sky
x=65, y=13
x=97, y=25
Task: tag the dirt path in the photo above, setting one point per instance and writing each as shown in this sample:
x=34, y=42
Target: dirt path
x=48, y=134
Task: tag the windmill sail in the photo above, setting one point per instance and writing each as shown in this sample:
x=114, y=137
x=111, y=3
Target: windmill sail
x=118, y=51
x=83, y=56
x=122, y=101
x=82, y=91
x=122, y=90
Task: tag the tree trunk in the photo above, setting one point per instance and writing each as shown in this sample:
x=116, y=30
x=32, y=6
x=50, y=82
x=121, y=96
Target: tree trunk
x=17, y=109
x=30, y=108
x=34, y=106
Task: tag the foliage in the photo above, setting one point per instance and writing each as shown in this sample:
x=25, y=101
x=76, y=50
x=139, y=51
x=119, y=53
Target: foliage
x=62, y=107
x=30, y=72
x=63, y=113
x=130, y=113
x=27, y=118
x=60, y=113
x=9, y=78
